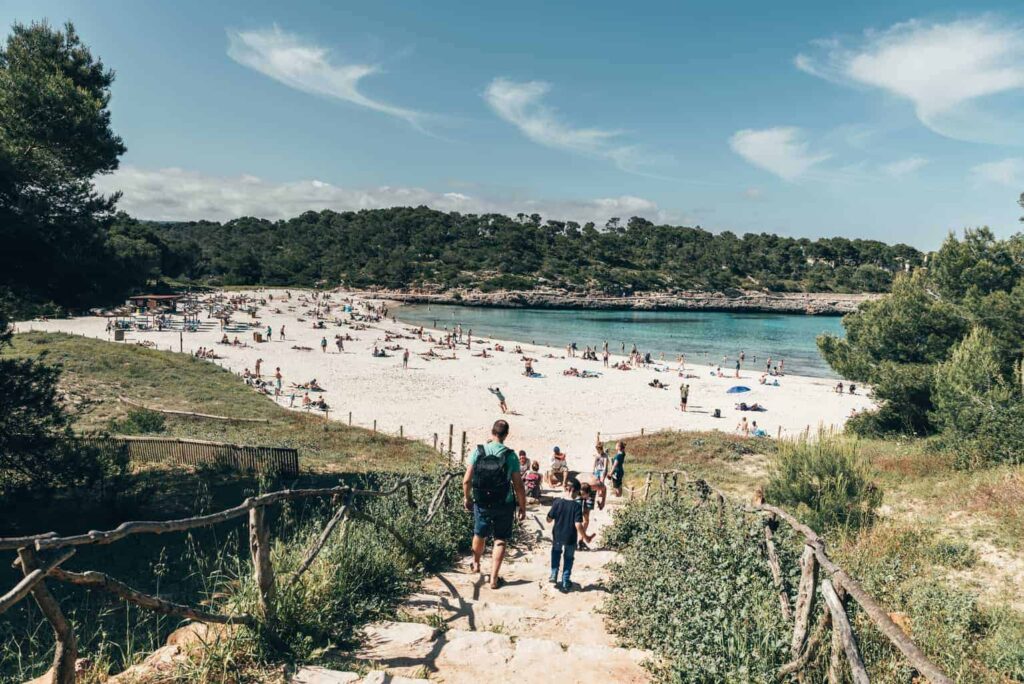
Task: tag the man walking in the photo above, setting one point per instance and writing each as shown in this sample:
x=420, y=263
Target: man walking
x=492, y=488
x=567, y=515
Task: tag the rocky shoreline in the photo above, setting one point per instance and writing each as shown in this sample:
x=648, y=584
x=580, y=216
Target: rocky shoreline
x=747, y=301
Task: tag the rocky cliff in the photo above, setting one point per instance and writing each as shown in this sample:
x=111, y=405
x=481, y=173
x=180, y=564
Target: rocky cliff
x=815, y=303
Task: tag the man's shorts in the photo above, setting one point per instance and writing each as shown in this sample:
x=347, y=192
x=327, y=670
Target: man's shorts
x=617, y=480
x=495, y=521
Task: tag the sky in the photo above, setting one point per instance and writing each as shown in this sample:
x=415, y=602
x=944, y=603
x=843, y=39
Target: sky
x=899, y=120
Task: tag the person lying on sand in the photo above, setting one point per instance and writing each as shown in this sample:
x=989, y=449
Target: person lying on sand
x=657, y=384
x=572, y=372
x=743, y=406
x=297, y=347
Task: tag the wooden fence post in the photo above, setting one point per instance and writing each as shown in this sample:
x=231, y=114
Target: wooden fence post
x=259, y=548
x=841, y=627
x=647, y=487
x=435, y=441
x=374, y=426
x=462, y=458
x=804, y=599
x=451, y=440
x=401, y=431
x=66, y=648
x=776, y=568
x=349, y=417
x=641, y=432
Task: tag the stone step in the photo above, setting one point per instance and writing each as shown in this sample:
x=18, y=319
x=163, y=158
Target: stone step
x=314, y=674
x=482, y=657
x=562, y=619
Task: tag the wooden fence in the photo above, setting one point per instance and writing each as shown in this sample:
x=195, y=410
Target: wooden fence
x=833, y=589
x=196, y=452
x=39, y=557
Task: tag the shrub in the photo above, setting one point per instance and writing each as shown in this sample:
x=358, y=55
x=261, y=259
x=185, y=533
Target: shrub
x=139, y=422
x=825, y=482
x=693, y=586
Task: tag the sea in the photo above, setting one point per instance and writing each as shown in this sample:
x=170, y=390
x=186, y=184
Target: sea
x=711, y=337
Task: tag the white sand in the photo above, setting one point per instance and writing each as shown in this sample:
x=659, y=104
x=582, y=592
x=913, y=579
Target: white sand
x=547, y=411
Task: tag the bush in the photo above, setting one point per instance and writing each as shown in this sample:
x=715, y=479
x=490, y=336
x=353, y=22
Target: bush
x=139, y=422
x=824, y=482
x=693, y=586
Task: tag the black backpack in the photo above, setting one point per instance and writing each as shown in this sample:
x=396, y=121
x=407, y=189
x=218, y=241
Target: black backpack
x=490, y=477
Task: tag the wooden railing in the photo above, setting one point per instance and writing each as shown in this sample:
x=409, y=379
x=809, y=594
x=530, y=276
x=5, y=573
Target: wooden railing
x=39, y=557
x=833, y=589
x=261, y=459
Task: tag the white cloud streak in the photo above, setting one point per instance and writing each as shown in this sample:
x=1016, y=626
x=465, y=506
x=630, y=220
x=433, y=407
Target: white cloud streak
x=904, y=167
x=946, y=70
x=521, y=103
x=1008, y=172
x=305, y=66
x=175, y=194
x=780, y=150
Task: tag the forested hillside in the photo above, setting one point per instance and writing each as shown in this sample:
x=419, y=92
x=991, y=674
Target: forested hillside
x=402, y=246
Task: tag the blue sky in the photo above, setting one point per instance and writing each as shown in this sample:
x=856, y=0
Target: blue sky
x=892, y=120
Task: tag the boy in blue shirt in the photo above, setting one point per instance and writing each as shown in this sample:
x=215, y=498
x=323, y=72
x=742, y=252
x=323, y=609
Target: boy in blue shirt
x=567, y=515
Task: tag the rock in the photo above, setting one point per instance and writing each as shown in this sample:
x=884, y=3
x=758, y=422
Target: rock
x=463, y=648
x=398, y=647
x=314, y=674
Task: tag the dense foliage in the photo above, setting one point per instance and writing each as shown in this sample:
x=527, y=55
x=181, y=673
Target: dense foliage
x=402, y=247
x=943, y=350
x=55, y=136
x=38, y=450
x=693, y=586
x=824, y=482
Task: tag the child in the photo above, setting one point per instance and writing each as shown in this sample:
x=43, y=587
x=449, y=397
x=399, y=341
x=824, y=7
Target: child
x=532, y=481
x=567, y=516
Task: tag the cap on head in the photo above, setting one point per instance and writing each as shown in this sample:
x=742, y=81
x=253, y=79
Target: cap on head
x=557, y=450
x=500, y=429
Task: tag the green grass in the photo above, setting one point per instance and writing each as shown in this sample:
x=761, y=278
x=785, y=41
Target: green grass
x=945, y=555
x=97, y=372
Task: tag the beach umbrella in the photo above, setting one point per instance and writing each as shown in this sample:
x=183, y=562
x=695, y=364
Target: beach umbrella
x=738, y=389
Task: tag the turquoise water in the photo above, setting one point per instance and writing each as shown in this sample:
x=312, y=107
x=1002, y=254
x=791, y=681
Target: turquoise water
x=704, y=336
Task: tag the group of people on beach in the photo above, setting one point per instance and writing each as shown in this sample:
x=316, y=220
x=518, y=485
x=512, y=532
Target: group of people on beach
x=498, y=482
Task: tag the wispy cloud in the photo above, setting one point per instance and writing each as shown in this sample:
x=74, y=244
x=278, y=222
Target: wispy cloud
x=305, y=66
x=946, y=70
x=175, y=194
x=1008, y=172
x=521, y=103
x=779, y=150
x=904, y=167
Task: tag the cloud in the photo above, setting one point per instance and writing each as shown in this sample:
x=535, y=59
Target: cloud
x=174, y=194
x=904, y=167
x=305, y=66
x=945, y=70
x=521, y=104
x=779, y=150
x=1008, y=172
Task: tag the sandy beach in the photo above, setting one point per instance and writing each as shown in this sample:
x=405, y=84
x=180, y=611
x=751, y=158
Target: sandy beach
x=431, y=394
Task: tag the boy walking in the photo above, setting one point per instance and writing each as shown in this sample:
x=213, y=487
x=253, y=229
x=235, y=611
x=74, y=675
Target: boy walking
x=567, y=515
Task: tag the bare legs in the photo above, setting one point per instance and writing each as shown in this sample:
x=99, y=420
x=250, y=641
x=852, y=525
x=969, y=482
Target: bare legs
x=497, y=557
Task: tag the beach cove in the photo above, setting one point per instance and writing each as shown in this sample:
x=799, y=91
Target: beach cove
x=546, y=410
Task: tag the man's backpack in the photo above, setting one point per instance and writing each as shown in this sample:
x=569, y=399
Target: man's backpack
x=490, y=477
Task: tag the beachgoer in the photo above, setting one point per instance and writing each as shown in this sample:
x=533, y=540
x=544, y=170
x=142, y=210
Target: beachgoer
x=281, y=332
x=524, y=462
x=501, y=398
x=491, y=489
x=600, y=462
x=323, y=345
x=566, y=517
x=259, y=362
x=405, y=359
x=684, y=395
x=618, y=467
x=532, y=481
x=743, y=427
x=559, y=467
x=737, y=368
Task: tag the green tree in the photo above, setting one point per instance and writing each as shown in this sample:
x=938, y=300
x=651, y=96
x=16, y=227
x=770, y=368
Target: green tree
x=38, y=450
x=55, y=136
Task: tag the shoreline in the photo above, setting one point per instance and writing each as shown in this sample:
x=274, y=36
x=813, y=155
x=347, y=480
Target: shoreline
x=747, y=301
x=546, y=410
